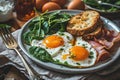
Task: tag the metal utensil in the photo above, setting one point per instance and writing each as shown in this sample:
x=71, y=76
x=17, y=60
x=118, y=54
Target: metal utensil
x=108, y=4
x=11, y=43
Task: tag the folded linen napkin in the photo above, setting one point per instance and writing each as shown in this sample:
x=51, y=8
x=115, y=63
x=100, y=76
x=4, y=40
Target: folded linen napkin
x=14, y=60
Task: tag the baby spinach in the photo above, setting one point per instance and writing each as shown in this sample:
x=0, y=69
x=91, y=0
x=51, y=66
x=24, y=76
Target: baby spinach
x=40, y=54
x=39, y=27
x=43, y=55
x=44, y=24
x=29, y=36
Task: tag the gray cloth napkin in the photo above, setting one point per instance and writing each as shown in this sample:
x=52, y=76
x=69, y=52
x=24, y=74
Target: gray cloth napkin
x=14, y=60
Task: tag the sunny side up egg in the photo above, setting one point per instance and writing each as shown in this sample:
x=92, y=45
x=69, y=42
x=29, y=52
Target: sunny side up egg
x=80, y=55
x=66, y=50
x=55, y=43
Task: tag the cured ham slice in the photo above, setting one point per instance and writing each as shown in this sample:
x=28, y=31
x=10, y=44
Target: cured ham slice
x=105, y=44
x=103, y=54
x=110, y=39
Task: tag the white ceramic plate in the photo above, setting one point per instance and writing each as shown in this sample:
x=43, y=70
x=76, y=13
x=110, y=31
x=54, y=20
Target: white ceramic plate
x=63, y=69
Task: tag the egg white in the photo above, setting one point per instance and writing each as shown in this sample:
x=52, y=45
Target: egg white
x=83, y=63
x=67, y=37
x=58, y=52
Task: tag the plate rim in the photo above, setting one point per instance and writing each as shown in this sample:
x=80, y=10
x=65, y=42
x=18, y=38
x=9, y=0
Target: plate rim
x=71, y=70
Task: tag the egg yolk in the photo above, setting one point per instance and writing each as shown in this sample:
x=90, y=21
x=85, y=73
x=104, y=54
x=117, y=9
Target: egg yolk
x=78, y=53
x=53, y=41
x=65, y=56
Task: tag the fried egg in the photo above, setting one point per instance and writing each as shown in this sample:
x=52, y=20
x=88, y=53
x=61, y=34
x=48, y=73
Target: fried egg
x=66, y=50
x=54, y=43
x=82, y=54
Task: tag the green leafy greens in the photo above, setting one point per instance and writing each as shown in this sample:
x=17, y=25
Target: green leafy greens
x=39, y=27
x=40, y=54
x=46, y=23
x=94, y=4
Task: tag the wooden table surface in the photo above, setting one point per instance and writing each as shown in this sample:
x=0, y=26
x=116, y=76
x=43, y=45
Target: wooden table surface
x=11, y=72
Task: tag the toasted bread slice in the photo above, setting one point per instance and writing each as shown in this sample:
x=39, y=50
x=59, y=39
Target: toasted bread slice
x=95, y=33
x=83, y=23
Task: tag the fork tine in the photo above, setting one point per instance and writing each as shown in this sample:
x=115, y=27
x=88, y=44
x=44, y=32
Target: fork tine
x=3, y=36
x=6, y=35
x=9, y=35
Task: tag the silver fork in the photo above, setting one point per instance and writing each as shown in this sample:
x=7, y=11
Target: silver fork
x=11, y=43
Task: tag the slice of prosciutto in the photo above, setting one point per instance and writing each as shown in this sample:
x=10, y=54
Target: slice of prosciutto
x=103, y=54
x=105, y=44
x=109, y=39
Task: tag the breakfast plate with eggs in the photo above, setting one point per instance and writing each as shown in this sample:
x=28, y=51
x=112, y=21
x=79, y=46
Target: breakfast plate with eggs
x=69, y=41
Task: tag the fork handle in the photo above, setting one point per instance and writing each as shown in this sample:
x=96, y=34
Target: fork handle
x=29, y=69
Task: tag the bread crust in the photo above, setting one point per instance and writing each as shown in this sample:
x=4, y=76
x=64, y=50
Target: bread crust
x=91, y=23
x=95, y=34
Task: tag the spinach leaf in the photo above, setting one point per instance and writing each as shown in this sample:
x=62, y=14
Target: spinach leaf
x=44, y=24
x=29, y=36
x=40, y=54
x=46, y=28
